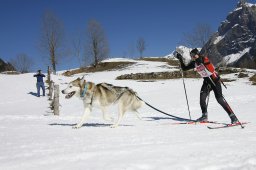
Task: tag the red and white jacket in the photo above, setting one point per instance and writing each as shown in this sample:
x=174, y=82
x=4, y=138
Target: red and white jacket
x=204, y=68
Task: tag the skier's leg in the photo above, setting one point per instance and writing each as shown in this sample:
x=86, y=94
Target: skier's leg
x=219, y=97
x=203, y=95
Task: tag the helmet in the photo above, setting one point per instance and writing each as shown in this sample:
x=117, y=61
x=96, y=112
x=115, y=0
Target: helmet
x=194, y=52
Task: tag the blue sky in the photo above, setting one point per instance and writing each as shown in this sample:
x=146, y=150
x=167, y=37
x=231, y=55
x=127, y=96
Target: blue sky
x=161, y=23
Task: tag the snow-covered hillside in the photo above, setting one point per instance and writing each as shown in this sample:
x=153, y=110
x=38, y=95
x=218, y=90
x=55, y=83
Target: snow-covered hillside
x=32, y=138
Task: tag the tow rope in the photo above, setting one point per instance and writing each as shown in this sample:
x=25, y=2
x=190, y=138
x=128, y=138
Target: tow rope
x=176, y=117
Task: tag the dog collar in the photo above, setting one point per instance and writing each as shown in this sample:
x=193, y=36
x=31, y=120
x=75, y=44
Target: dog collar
x=84, y=91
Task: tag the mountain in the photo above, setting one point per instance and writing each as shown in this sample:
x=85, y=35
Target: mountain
x=184, y=51
x=5, y=66
x=235, y=42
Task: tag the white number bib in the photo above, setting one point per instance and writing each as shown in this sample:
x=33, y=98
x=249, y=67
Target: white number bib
x=202, y=70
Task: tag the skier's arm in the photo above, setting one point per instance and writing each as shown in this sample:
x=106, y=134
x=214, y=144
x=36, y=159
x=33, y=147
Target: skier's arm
x=184, y=67
x=199, y=60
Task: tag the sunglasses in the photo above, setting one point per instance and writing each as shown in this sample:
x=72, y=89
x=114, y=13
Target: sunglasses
x=192, y=54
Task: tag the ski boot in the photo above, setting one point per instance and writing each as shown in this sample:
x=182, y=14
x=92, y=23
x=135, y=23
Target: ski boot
x=234, y=119
x=203, y=118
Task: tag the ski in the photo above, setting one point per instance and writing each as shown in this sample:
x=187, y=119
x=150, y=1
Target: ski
x=197, y=122
x=227, y=125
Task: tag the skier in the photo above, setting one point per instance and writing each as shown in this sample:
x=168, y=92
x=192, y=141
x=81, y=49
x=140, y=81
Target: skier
x=205, y=68
x=39, y=83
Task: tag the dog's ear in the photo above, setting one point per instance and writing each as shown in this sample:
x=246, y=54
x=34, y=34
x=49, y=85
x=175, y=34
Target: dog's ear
x=83, y=78
x=82, y=81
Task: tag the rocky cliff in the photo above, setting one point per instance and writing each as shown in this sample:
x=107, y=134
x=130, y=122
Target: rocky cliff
x=235, y=42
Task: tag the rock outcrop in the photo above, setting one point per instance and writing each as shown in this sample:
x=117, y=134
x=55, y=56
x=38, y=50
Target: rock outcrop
x=235, y=42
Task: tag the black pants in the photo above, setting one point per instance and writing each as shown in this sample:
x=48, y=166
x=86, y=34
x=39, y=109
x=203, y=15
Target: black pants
x=207, y=86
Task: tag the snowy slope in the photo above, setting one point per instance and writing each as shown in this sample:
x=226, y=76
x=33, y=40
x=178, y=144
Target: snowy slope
x=32, y=138
x=229, y=59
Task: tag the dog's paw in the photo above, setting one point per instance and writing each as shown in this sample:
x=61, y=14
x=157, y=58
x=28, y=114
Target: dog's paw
x=76, y=127
x=113, y=126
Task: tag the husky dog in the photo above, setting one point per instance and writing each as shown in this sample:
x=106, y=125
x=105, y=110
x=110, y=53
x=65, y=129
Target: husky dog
x=103, y=95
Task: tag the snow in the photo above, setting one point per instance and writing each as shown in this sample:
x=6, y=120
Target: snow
x=234, y=57
x=237, y=9
x=250, y=4
x=32, y=138
x=119, y=60
x=236, y=25
x=218, y=39
x=246, y=4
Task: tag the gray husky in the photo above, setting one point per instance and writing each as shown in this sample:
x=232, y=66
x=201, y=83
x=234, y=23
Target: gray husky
x=103, y=95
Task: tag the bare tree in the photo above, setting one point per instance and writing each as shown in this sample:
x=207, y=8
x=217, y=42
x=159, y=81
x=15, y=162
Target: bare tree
x=131, y=51
x=199, y=36
x=52, y=38
x=77, y=50
x=22, y=63
x=141, y=46
x=96, y=45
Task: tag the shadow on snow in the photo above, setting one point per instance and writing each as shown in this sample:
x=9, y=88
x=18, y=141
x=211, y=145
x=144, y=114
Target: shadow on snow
x=86, y=124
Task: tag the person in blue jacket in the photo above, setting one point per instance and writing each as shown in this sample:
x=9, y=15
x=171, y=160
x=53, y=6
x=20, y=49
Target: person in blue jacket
x=39, y=82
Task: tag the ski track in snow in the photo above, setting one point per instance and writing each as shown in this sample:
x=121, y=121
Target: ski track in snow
x=32, y=138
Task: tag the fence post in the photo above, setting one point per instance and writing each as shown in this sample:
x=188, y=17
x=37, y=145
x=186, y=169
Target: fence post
x=56, y=100
x=51, y=86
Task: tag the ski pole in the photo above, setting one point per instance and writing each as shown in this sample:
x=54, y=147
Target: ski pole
x=181, y=71
x=208, y=97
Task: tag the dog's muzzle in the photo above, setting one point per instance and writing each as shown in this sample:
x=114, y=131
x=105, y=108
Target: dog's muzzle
x=69, y=95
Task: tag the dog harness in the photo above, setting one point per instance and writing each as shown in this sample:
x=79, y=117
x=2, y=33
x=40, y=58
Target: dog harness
x=85, y=90
x=118, y=91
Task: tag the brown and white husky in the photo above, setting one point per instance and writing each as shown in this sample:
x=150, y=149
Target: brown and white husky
x=103, y=95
